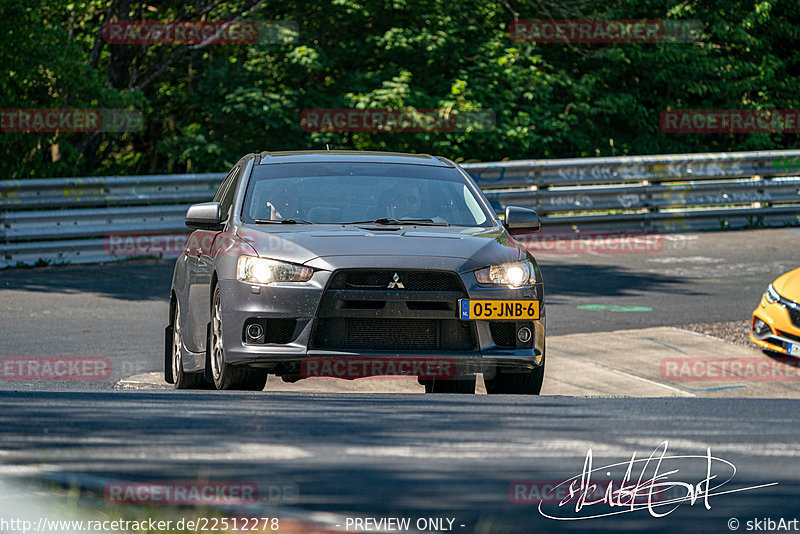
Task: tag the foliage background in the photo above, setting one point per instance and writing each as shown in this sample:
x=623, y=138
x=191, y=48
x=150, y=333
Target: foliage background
x=204, y=107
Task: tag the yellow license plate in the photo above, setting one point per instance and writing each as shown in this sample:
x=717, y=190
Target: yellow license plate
x=498, y=309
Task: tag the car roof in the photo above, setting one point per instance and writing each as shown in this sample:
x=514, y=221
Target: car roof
x=348, y=156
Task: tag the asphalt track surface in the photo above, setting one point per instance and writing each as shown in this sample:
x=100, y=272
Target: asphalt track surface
x=419, y=456
x=413, y=455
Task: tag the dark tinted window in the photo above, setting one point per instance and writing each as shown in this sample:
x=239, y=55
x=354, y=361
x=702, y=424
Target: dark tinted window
x=226, y=191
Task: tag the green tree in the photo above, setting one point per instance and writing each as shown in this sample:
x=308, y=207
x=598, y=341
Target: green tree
x=206, y=105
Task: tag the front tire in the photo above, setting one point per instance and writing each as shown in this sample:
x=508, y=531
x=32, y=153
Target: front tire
x=515, y=381
x=227, y=376
x=182, y=379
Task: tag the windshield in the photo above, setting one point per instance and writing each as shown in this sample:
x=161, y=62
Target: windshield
x=358, y=192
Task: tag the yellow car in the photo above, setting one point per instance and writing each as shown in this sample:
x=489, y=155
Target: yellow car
x=776, y=321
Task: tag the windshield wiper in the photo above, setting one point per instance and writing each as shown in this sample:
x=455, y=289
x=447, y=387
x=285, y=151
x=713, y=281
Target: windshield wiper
x=400, y=222
x=282, y=221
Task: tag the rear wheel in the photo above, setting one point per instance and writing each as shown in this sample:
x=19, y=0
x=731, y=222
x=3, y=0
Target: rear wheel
x=182, y=379
x=461, y=385
x=515, y=381
x=227, y=376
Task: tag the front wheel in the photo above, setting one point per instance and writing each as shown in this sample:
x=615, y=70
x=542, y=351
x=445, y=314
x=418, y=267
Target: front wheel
x=515, y=381
x=182, y=380
x=227, y=376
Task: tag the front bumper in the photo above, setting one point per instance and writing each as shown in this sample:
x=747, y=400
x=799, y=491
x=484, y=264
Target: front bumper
x=779, y=333
x=303, y=309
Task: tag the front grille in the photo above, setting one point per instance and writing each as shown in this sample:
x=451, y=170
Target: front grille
x=360, y=312
x=386, y=334
x=777, y=342
x=787, y=335
x=279, y=330
x=370, y=279
x=504, y=333
x=393, y=334
x=794, y=315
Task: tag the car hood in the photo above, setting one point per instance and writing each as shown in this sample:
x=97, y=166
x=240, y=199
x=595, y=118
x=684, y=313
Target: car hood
x=331, y=246
x=788, y=285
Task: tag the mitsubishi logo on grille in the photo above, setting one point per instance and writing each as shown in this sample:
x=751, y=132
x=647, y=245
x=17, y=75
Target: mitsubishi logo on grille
x=395, y=283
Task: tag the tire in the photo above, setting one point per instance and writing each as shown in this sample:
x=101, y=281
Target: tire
x=224, y=375
x=515, y=381
x=461, y=385
x=181, y=379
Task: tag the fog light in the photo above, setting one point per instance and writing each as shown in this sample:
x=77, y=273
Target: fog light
x=524, y=334
x=761, y=328
x=255, y=331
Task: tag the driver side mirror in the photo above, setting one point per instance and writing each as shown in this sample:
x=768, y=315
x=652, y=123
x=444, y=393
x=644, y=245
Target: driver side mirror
x=521, y=220
x=205, y=216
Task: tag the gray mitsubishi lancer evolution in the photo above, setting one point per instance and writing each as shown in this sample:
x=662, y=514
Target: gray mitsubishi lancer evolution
x=353, y=264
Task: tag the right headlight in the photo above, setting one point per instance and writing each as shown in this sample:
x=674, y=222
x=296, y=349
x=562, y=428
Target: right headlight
x=517, y=274
x=771, y=295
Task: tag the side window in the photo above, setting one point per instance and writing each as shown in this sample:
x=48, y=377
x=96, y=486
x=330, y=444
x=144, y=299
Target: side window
x=224, y=185
x=226, y=191
x=474, y=208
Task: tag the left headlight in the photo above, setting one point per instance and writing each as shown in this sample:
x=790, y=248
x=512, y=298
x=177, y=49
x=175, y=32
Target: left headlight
x=518, y=274
x=771, y=295
x=262, y=271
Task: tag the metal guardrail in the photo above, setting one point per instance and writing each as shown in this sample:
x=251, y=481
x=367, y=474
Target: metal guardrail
x=626, y=169
x=69, y=220
x=652, y=196
x=107, y=191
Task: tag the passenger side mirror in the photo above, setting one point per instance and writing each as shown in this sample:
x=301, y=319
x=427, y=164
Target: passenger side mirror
x=521, y=220
x=205, y=216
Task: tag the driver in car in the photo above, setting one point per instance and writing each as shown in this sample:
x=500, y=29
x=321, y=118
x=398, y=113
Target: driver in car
x=284, y=202
x=405, y=203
